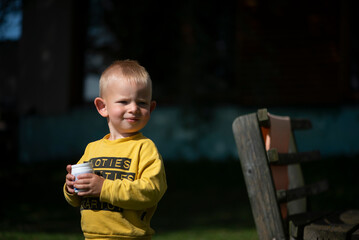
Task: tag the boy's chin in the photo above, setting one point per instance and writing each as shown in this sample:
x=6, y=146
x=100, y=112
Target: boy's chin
x=128, y=133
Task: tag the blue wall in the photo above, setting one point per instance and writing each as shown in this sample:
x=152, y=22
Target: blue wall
x=185, y=134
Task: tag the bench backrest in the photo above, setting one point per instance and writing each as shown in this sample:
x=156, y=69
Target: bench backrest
x=257, y=162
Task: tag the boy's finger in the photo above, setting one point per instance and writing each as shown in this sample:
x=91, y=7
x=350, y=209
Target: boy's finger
x=70, y=177
x=68, y=168
x=69, y=182
x=70, y=190
x=84, y=190
x=81, y=194
x=85, y=175
x=82, y=183
x=84, y=193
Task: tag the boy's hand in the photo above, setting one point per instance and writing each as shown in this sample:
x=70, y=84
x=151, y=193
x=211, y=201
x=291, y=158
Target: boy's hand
x=90, y=183
x=70, y=180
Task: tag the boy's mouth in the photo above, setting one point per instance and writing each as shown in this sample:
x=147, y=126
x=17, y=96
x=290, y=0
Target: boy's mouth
x=132, y=119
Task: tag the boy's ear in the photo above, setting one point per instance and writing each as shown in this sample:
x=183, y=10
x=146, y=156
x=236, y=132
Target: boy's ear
x=153, y=106
x=101, y=106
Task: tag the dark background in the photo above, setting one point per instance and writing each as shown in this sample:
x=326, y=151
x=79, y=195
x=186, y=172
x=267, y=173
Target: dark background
x=200, y=55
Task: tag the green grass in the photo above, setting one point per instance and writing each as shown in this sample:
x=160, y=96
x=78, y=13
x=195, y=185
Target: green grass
x=39, y=236
x=209, y=234
x=190, y=234
x=204, y=200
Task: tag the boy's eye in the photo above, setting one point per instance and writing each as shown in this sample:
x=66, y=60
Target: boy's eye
x=122, y=102
x=142, y=103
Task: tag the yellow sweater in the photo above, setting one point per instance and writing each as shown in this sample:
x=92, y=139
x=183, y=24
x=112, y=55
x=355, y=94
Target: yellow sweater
x=135, y=183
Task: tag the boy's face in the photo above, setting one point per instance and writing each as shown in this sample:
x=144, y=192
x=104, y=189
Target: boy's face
x=127, y=107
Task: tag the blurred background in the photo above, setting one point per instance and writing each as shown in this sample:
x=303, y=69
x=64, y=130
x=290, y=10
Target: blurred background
x=210, y=61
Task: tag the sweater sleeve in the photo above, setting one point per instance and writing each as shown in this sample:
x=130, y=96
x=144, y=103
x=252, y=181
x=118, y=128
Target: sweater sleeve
x=142, y=193
x=72, y=199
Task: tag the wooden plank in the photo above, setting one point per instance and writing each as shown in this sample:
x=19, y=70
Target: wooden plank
x=300, y=192
x=297, y=222
x=263, y=118
x=332, y=226
x=355, y=235
x=323, y=231
x=296, y=123
x=325, y=224
x=276, y=158
x=350, y=216
x=258, y=178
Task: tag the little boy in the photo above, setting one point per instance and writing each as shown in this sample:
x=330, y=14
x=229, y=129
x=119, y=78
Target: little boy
x=118, y=200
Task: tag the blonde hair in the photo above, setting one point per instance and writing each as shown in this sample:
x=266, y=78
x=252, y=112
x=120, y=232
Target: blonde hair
x=129, y=70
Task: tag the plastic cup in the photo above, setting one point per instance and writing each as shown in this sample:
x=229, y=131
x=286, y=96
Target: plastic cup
x=78, y=169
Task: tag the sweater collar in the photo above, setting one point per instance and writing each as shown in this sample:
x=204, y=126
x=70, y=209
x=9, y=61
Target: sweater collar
x=136, y=136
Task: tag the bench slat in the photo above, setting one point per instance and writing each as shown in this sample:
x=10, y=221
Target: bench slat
x=297, y=222
x=332, y=226
x=276, y=158
x=355, y=235
x=295, y=123
x=256, y=172
x=297, y=193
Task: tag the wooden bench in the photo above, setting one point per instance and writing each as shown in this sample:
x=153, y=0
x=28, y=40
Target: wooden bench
x=270, y=205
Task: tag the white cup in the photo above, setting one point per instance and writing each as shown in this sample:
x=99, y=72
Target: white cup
x=78, y=169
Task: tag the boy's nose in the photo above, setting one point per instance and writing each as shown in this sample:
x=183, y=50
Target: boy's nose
x=133, y=107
